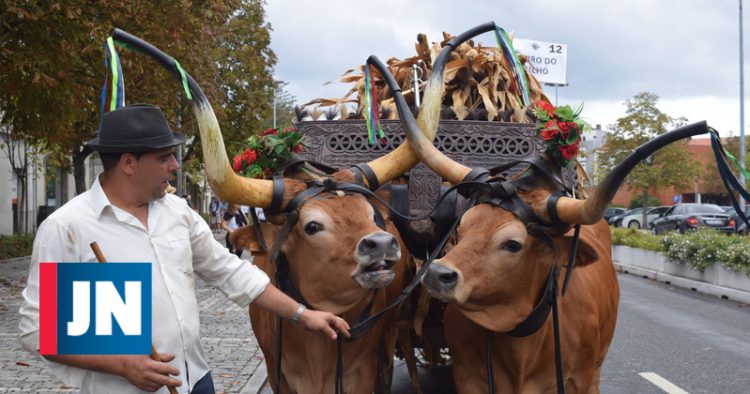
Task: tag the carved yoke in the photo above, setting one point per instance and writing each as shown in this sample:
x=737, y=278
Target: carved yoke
x=343, y=143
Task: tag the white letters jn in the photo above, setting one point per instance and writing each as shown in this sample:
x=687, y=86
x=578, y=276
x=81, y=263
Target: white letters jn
x=108, y=305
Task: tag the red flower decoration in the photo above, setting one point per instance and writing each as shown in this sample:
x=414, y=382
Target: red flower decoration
x=560, y=128
x=569, y=151
x=549, y=134
x=267, y=151
x=249, y=156
x=546, y=107
x=237, y=163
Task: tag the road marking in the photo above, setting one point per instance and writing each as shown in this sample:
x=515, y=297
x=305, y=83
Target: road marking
x=662, y=383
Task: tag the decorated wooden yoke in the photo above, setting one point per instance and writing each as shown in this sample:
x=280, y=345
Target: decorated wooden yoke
x=344, y=143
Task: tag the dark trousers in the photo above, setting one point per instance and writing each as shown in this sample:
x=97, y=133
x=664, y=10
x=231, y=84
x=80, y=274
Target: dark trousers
x=205, y=385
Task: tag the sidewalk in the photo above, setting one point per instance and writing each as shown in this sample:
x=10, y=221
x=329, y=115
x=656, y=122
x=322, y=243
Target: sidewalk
x=233, y=354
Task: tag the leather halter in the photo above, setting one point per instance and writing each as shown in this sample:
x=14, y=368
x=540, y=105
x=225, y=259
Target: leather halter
x=366, y=321
x=504, y=195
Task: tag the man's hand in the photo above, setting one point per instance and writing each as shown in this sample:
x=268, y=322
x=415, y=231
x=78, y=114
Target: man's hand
x=141, y=371
x=274, y=300
x=150, y=375
x=325, y=322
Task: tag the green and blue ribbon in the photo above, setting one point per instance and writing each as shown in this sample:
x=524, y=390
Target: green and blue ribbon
x=371, y=111
x=511, y=58
x=113, y=93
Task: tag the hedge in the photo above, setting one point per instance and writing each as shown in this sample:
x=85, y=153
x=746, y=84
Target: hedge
x=15, y=245
x=698, y=249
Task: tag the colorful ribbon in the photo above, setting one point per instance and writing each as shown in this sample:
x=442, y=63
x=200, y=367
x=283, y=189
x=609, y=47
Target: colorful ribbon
x=371, y=111
x=116, y=94
x=506, y=47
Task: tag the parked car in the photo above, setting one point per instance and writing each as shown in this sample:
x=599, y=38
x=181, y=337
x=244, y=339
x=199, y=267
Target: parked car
x=613, y=211
x=741, y=226
x=685, y=217
x=617, y=219
x=635, y=220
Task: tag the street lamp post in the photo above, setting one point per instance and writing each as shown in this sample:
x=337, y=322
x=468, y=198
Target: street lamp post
x=742, y=109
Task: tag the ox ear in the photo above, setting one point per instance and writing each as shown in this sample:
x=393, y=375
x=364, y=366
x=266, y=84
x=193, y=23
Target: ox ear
x=587, y=251
x=247, y=239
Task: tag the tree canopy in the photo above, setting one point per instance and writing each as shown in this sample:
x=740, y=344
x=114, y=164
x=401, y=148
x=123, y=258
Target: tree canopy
x=670, y=166
x=52, y=66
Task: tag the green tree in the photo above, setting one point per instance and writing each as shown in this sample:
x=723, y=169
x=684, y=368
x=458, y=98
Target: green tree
x=643, y=121
x=245, y=64
x=52, y=68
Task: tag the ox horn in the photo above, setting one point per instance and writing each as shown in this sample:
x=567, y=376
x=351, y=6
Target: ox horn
x=401, y=159
x=227, y=185
x=443, y=165
x=592, y=209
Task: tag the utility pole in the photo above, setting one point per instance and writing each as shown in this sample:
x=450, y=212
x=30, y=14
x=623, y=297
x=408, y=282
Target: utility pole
x=742, y=110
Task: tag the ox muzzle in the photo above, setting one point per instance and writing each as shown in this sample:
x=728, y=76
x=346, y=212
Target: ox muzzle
x=441, y=281
x=376, y=255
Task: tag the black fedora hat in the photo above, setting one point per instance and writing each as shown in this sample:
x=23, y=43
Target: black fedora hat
x=135, y=128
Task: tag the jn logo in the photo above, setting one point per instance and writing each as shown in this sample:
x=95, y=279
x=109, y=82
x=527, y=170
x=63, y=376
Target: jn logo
x=90, y=308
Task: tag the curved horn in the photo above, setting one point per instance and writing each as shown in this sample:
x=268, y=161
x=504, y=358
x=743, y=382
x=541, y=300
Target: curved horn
x=402, y=158
x=444, y=166
x=223, y=180
x=592, y=209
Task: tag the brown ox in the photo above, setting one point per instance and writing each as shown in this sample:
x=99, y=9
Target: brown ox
x=493, y=278
x=336, y=269
x=495, y=275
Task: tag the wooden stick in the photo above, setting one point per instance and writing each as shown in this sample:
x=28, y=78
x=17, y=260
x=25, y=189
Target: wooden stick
x=154, y=354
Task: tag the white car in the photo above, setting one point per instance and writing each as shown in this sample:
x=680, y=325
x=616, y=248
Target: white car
x=636, y=220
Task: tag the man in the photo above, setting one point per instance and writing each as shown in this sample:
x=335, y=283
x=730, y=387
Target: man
x=128, y=213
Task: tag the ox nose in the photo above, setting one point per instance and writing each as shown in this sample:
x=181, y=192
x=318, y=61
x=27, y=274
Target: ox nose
x=443, y=276
x=378, y=245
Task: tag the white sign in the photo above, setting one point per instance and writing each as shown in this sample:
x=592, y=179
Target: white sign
x=548, y=61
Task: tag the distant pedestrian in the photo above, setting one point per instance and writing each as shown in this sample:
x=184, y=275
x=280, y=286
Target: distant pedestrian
x=233, y=219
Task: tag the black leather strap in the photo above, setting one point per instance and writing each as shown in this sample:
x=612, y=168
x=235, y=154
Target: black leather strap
x=278, y=194
x=552, y=207
x=476, y=175
x=372, y=179
x=539, y=314
x=571, y=258
x=258, y=232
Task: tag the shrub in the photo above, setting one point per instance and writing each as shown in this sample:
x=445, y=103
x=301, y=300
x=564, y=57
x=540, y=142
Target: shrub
x=635, y=239
x=699, y=249
x=15, y=245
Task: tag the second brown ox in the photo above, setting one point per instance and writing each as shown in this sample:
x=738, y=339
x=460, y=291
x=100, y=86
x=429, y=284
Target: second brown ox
x=495, y=275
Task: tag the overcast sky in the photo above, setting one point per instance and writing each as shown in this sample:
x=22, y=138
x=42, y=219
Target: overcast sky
x=685, y=51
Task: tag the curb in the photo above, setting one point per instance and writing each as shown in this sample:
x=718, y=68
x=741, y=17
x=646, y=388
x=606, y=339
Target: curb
x=15, y=259
x=694, y=285
x=257, y=380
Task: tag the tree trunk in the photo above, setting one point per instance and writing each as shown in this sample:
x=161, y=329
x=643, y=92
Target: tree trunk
x=79, y=169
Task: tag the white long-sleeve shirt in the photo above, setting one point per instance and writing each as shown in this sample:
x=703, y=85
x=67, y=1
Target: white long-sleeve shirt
x=177, y=242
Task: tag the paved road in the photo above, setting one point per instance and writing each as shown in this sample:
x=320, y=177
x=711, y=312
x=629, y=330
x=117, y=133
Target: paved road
x=232, y=351
x=699, y=343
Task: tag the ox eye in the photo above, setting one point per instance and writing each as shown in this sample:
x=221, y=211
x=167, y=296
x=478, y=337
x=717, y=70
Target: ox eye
x=313, y=227
x=512, y=246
